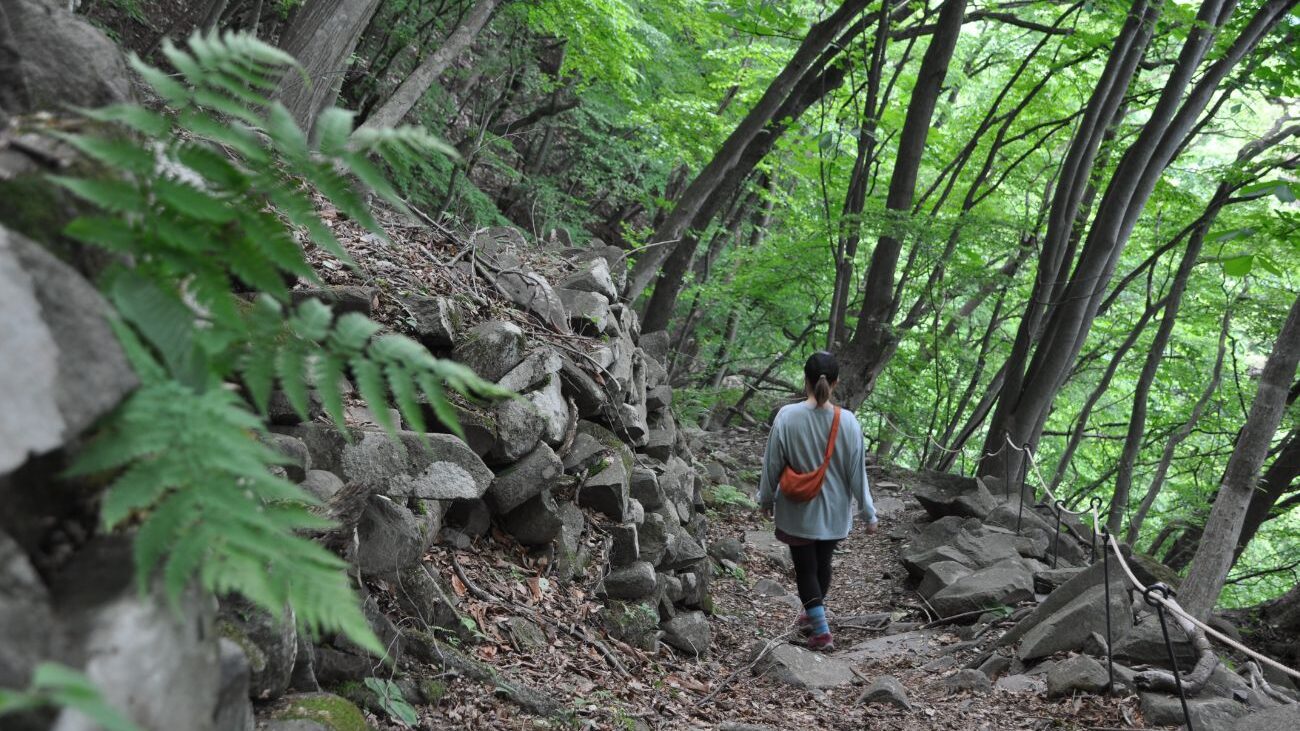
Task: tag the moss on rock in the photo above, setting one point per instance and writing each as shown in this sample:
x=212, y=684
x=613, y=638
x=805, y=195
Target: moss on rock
x=334, y=712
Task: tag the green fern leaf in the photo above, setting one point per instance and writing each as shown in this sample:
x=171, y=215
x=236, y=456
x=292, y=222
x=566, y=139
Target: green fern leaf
x=442, y=408
x=327, y=373
x=135, y=117
x=192, y=202
x=212, y=165
x=370, y=384
x=111, y=195
x=233, y=135
x=403, y=388
x=333, y=128
x=290, y=365
x=116, y=153
x=113, y=234
x=171, y=90
x=352, y=331
x=311, y=320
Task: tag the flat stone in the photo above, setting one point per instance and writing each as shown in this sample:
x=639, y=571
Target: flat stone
x=940, y=575
x=1021, y=684
x=967, y=680
x=234, y=709
x=887, y=690
x=766, y=545
x=943, y=494
x=520, y=482
x=1145, y=645
x=321, y=484
x=519, y=427
x=491, y=349
x=1003, y=584
x=1071, y=615
x=553, y=408
x=436, y=320
x=799, y=667
x=688, y=632
x=534, y=293
x=633, y=582
x=918, y=643
x=537, y=366
x=1077, y=673
x=1207, y=714
x=653, y=537
x=1273, y=719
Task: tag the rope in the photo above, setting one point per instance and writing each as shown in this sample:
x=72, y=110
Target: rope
x=1186, y=619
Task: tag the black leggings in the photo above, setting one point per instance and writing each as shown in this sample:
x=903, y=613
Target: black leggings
x=812, y=571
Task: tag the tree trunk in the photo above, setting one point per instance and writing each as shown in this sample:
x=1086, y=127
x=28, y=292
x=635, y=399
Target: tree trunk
x=1213, y=559
x=720, y=168
x=321, y=36
x=1167, y=456
x=1278, y=480
x=405, y=97
x=858, y=362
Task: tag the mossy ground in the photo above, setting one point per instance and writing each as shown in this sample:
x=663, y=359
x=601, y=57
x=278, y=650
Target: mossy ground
x=332, y=711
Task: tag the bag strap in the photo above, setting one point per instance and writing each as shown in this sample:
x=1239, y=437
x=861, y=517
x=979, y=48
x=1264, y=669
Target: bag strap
x=830, y=444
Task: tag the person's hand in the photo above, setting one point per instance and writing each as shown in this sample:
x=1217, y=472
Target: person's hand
x=873, y=527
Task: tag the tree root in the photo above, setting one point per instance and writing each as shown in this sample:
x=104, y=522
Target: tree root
x=1193, y=682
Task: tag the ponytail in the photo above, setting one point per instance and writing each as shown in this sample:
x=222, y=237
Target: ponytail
x=822, y=390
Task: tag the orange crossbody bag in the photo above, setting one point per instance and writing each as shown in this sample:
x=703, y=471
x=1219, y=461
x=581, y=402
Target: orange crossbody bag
x=800, y=487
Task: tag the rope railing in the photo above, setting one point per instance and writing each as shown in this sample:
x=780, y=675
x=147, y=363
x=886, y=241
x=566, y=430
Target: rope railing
x=1157, y=595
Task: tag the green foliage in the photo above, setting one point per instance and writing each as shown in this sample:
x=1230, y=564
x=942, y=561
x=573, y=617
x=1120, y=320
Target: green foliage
x=391, y=700
x=728, y=496
x=205, y=198
x=62, y=687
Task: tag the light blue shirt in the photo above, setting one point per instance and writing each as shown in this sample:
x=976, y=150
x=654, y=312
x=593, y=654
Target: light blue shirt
x=798, y=439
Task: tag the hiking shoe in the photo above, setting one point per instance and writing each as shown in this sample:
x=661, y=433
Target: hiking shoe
x=821, y=643
x=804, y=624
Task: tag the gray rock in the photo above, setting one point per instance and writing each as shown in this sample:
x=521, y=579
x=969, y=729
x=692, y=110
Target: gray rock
x=321, y=484
x=61, y=367
x=428, y=467
x=607, y=491
x=659, y=397
x=798, y=667
x=625, y=548
x=942, y=494
x=588, y=396
x=630, y=422
x=1077, y=673
x=121, y=632
x=525, y=635
x=918, y=563
x=1072, y=614
x=269, y=643
x=688, y=632
x=655, y=373
x=537, y=522
x=390, y=538
x=51, y=59
x=645, y=487
x=1145, y=645
x=571, y=556
x=995, y=665
x=768, y=587
x=593, y=276
x=520, y=482
x=536, y=367
x=635, y=512
x=534, y=293
x=303, y=679
x=886, y=689
x=728, y=548
x=335, y=667
x=1021, y=684
x=888, y=507
x=585, y=309
x=913, y=642
x=678, y=483
x=341, y=299
x=1051, y=579
x=1274, y=719
x=292, y=449
x=470, y=517
x=295, y=724
x=940, y=575
x=633, y=582
x=655, y=345
x=587, y=452
x=519, y=427
x=434, y=320
x=652, y=538
x=635, y=623
x=554, y=410
x=682, y=549
x=491, y=349
x=1002, y=584
x=25, y=638
x=423, y=597
x=967, y=680
x=282, y=412
x=234, y=710
x=766, y=545
x=1208, y=714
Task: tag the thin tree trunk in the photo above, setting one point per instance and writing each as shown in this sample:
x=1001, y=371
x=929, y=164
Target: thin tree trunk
x=1167, y=456
x=858, y=374
x=717, y=171
x=1214, y=556
x=405, y=97
x=1278, y=480
x=322, y=36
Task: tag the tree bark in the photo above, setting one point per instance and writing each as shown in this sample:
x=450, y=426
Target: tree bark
x=1214, y=555
x=321, y=36
x=409, y=92
x=870, y=339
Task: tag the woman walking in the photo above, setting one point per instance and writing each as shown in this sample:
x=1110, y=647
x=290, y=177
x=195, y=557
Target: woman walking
x=813, y=472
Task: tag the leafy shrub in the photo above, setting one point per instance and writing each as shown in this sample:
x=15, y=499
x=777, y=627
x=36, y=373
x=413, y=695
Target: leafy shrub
x=204, y=199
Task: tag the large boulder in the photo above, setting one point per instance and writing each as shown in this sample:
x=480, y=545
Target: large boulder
x=519, y=482
x=519, y=427
x=1273, y=719
x=1072, y=614
x=1004, y=583
x=688, y=632
x=532, y=292
x=422, y=466
x=536, y=522
x=537, y=367
x=632, y=582
x=550, y=404
x=1077, y=673
x=156, y=661
x=585, y=309
x=593, y=275
x=434, y=320
x=942, y=494
x=491, y=349
x=234, y=710
x=25, y=639
x=51, y=59
x=61, y=367
x=1207, y=714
